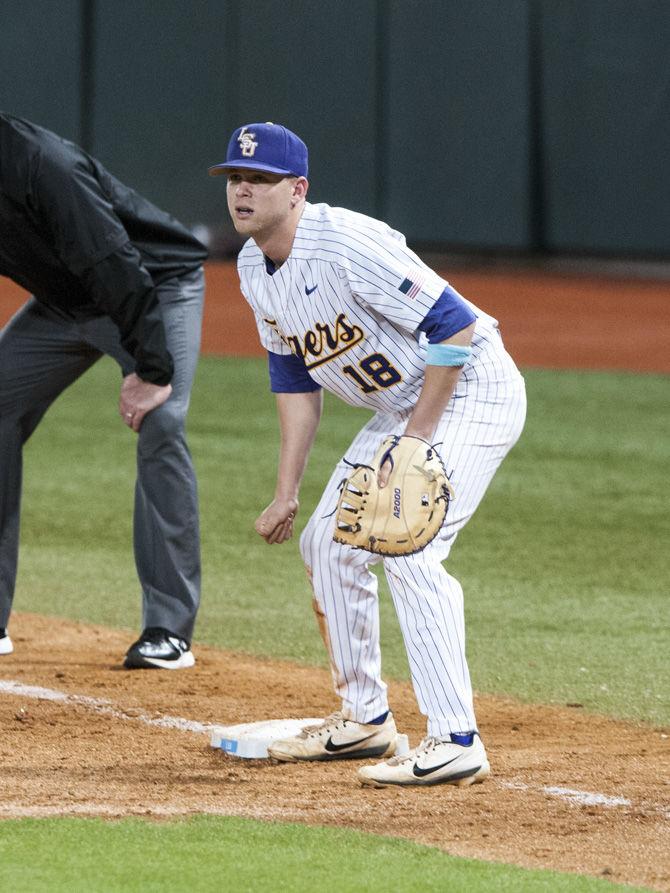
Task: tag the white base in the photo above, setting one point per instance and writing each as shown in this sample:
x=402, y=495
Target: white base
x=250, y=740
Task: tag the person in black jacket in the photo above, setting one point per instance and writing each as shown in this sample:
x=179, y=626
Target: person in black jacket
x=109, y=273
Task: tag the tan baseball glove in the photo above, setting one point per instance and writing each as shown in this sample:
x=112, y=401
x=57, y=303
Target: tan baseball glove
x=406, y=514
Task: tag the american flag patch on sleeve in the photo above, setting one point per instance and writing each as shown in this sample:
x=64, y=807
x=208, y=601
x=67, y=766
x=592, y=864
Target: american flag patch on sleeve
x=412, y=283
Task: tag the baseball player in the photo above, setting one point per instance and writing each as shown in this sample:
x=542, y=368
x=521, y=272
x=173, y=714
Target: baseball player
x=110, y=274
x=341, y=303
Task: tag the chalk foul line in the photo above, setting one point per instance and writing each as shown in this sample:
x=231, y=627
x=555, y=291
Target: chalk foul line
x=104, y=706
x=585, y=798
x=107, y=708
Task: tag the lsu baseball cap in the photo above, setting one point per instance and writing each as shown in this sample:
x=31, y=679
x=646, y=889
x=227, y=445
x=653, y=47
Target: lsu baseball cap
x=265, y=147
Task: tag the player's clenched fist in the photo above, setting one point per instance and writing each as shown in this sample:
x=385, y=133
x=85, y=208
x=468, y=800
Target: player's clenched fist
x=275, y=524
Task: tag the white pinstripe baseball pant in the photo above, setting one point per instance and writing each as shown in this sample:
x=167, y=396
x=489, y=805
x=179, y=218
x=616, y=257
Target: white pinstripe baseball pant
x=480, y=425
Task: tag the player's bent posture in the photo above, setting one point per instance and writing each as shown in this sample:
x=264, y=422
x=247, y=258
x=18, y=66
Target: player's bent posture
x=110, y=274
x=341, y=303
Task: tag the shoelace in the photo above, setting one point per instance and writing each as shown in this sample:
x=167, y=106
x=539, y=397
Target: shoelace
x=334, y=718
x=426, y=745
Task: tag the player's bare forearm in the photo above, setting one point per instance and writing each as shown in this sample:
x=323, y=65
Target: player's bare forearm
x=299, y=416
x=438, y=388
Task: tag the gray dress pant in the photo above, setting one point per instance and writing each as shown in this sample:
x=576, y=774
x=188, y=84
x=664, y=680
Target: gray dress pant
x=41, y=353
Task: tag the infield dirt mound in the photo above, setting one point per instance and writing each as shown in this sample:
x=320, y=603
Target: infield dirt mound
x=69, y=757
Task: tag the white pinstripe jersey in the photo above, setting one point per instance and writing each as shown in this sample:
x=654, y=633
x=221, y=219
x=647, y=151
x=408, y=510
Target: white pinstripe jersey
x=348, y=299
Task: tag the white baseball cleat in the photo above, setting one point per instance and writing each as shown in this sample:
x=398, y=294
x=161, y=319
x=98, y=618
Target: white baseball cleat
x=434, y=761
x=6, y=646
x=337, y=738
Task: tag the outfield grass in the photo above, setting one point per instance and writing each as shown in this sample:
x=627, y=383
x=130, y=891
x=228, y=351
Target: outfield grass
x=564, y=566
x=209, y=853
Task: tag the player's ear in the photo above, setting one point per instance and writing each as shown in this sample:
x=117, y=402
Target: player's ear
x=300, y=187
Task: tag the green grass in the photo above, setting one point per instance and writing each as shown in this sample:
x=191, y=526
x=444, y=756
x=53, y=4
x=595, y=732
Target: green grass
x=564, y=566
x=210, y=853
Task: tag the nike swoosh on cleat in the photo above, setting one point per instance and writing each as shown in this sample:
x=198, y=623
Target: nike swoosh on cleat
x=308, y=291
x=334, y=748
x=421, y=773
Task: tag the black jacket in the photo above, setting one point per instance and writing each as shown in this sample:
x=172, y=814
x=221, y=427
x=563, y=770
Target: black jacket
x=85, y=244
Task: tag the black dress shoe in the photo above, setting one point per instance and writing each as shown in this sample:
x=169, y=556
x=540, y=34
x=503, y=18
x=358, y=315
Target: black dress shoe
x=158, y=648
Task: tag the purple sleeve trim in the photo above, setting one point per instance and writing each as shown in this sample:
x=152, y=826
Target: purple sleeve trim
x=448, y=315
x=289, y=375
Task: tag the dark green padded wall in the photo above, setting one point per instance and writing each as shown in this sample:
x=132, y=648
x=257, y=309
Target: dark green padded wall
x=456, y=122
x=311, y=66
x=416, y=111
x=513, y=124
x=40, y=63
x=192, y=73
x=162, y=109
x=606, y=125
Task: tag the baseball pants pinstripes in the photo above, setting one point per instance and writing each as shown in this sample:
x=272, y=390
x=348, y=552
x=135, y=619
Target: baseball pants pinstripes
x=482, y=422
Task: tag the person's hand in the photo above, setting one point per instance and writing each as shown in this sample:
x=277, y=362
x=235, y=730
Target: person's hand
x=140, y=397
x=275, y=523
x=384, y=473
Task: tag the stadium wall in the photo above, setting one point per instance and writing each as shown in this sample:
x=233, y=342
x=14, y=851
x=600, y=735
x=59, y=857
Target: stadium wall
x=523, y=126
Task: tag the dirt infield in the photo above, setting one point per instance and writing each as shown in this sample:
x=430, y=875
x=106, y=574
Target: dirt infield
x=569, y=791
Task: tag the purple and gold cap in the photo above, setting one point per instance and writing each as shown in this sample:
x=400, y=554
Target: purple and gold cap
x=265, y=147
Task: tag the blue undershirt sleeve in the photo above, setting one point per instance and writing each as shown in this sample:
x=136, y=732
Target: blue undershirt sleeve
x=289, y=375
x=448, y=315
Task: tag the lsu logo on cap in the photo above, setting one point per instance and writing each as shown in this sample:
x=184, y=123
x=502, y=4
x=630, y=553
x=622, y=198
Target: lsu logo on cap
x=247, y=144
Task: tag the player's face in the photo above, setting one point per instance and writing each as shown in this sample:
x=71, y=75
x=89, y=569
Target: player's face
x=259, y=202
